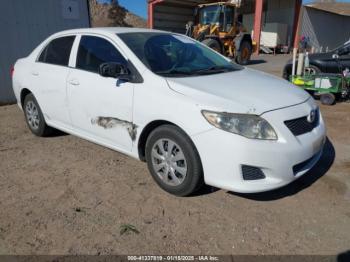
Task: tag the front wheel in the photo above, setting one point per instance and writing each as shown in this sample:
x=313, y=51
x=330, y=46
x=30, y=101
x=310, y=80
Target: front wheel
x=173, y=161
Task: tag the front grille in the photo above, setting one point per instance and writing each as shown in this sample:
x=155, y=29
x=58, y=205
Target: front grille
x=301, y=125
x=252, y=173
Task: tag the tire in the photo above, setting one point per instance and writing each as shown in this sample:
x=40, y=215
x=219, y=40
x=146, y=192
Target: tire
x=34, y=117
x=245, y=52
x=180, y=174
x=213, y=44
x=328, y=99
x=287, y=72
x=313, y=70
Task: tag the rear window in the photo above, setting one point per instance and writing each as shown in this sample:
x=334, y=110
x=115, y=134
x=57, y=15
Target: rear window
x=57, y=52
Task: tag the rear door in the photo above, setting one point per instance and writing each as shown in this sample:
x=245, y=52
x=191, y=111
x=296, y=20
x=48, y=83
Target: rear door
x=48, y=77
x=100, y=107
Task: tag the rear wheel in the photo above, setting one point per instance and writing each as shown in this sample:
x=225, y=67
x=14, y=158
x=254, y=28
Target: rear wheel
x=327, y=99
x=34, y=117
x=173, y=161
x=213, y=44
x=244, y=53
x=312, y=70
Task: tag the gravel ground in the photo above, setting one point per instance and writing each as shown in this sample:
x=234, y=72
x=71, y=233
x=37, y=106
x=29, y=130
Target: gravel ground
x=64, y=195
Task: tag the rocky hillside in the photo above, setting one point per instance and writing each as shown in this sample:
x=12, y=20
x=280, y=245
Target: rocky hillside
x=113, y=15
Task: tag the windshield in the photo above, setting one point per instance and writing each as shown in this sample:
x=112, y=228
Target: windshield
x=347, y=43
x=209, y=15
x=175, y=55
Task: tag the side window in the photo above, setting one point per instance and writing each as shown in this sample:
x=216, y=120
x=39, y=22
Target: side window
x=94, y=51
x=57, y=52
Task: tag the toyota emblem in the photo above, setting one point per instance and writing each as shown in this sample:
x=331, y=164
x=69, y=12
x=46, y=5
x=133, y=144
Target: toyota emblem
x=312, y=116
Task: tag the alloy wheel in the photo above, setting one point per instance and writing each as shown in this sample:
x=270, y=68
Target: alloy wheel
x=32, y=114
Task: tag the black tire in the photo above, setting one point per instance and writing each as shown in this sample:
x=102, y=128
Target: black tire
x=313, y=70
x=287, y=72
x=245, y=52
x=328, y=99
x=193, y=179
x=213, y=44
x=42, y=129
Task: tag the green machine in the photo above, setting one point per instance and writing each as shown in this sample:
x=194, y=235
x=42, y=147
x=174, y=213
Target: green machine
x=328, y=87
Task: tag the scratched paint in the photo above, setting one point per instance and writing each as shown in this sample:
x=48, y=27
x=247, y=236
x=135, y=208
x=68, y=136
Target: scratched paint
x=251, y=111
x=111, y=122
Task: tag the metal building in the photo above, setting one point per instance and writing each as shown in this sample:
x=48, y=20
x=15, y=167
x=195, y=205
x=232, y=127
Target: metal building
x=326, y=25
x=24, y=24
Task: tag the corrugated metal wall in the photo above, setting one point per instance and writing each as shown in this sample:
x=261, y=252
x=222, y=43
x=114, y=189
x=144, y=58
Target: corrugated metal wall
x=326, y=30
x=172, y=15
x=275, y=11
x=24, y=24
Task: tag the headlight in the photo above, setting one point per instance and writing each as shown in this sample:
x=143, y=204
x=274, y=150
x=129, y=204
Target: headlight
x=250, y=126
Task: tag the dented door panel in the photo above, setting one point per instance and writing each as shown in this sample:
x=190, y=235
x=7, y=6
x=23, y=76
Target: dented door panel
x=102, y=108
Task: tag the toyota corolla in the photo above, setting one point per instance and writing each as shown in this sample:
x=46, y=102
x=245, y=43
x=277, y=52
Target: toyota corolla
x=192, y=114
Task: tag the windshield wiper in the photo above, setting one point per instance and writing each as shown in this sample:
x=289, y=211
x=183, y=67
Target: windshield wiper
x=205, y=71
x=213, y=70
x=175, y=72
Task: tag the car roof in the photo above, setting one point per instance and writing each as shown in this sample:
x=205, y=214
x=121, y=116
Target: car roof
x=109, y=30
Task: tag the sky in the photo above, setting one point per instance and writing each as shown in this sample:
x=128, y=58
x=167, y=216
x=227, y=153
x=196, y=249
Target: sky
x=139, y=7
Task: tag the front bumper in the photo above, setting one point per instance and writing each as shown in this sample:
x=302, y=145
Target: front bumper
x=282, y=161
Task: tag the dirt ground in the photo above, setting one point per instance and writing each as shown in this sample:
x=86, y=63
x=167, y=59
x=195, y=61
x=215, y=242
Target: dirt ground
x=64, y=195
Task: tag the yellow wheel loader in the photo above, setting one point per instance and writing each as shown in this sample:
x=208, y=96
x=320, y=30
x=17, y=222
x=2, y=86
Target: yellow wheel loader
x=219, y=26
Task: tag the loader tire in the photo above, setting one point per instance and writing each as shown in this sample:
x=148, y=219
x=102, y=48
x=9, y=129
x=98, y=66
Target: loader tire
x=244, y=53
x=213, y=44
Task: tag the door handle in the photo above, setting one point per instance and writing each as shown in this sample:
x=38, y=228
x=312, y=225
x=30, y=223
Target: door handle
x=35, y=73
x=74, y=82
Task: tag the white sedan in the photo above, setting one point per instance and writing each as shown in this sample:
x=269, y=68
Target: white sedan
x=193, y=115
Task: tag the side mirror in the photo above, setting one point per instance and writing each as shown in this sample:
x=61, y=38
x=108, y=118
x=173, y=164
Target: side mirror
x=115, y=70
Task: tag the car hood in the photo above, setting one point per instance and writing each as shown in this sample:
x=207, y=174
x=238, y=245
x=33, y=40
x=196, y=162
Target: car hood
x=244, y=91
